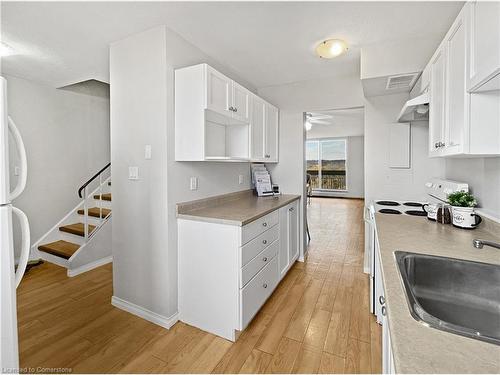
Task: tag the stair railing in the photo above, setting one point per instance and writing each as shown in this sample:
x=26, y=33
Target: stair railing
x=83, y=189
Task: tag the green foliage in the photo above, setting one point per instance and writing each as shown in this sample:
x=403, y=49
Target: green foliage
x=462, y=199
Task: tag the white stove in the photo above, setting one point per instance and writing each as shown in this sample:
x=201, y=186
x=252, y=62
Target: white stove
x=391, y=207
x=437, y=192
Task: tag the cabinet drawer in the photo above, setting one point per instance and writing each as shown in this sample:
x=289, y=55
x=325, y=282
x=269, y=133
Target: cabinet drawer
x=251, y=249
x=252, y=230
x=257, y=263
x=255, y=293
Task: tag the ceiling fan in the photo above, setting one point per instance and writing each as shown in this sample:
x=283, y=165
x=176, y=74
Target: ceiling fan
x=317, y=119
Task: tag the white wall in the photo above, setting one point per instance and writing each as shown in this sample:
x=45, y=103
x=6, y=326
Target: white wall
x=382, y=182
x=483, y=177
x=66, y=135
x=144, y=222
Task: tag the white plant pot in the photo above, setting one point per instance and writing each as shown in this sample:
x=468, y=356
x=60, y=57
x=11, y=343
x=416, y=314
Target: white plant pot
x=465, y=217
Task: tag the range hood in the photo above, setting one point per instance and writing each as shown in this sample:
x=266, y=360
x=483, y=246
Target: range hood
x=416, y=109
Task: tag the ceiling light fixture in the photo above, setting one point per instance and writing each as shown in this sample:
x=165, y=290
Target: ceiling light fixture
x=6, y=50
x=331, y=48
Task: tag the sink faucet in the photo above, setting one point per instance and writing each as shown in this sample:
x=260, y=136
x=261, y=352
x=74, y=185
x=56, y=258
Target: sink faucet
x=479, y=244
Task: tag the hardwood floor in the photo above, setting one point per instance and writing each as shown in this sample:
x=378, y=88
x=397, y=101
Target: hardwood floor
x=316, y=321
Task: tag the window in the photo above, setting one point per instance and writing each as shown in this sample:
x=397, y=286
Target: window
x=326, y=163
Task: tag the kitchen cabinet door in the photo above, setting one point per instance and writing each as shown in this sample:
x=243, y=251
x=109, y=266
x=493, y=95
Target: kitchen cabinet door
x=484, y=53
x=457, y=98
x=293, y=232
x=257, y=129
x=283, y=254
x=289, y=236
x=437, y=102
x=271, y=136
x=241, y=98
x=219, y=92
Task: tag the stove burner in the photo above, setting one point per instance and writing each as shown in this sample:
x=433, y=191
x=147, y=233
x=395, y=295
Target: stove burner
x=413, y=204
x=388, y=203
x=416, y=213
x=389, y=211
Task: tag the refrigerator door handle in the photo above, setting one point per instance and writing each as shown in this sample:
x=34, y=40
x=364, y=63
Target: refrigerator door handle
x=21, y=182
x=25, y=249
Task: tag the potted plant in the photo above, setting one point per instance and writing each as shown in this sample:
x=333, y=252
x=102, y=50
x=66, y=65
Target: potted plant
x=463, y=204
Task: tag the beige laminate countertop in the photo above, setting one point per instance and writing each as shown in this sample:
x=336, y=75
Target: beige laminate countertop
x=238, y=208
x=417, y=348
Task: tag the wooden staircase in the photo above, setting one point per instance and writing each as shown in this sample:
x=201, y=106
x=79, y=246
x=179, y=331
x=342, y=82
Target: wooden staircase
x=72, y=233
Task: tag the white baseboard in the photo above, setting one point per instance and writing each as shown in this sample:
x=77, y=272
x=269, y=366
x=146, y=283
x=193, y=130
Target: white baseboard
x=141, y=312
x=89, y=266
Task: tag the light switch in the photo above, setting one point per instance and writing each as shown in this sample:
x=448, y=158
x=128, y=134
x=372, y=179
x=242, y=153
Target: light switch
x=241, y=179
x=193, y=184
x=17, y=170
x=133, y=173
x=147, y=152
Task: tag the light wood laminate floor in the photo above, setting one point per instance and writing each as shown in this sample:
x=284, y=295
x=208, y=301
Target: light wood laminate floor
x=317, y=319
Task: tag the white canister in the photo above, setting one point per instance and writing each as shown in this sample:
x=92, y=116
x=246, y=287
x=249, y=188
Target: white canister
x=431, y=210
x=465, y=217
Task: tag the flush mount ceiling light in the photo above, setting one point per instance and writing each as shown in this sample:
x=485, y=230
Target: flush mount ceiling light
x=331, y=48
x=6, y=50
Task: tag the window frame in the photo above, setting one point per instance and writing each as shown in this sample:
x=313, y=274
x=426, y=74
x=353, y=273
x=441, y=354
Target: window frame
x=346, y=143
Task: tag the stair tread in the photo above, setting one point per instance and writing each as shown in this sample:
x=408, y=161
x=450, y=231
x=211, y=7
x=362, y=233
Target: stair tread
x=77, y=229
x=94, y=211
x=61, y=248
x=105, y=197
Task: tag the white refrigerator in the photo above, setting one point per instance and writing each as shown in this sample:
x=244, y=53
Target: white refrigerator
x=9, y=276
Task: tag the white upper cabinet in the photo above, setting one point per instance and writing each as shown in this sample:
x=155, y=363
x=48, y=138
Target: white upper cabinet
x=241, y=99
x=258, y=129
x=219, y=92
x=484, y=42
x=265, y=131
x=272, y=121
x=213, y=115
x=456, y=93
x=463, y=123
x=437, y=101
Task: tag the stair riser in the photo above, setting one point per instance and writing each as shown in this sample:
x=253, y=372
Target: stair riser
x=54, y=259
x=91, y=220
x=71, y=238
x=104, y=204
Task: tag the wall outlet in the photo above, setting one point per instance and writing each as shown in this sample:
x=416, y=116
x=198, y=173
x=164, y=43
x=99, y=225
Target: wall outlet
x=193, y=183
x=133, y=173
x=241, y=179
x=147, y=152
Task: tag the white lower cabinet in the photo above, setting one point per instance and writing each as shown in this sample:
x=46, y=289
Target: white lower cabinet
x=380, y=311
x=289, y=236
x=227, y=272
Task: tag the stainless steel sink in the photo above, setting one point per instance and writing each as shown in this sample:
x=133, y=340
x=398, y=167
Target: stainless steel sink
x=458, y=296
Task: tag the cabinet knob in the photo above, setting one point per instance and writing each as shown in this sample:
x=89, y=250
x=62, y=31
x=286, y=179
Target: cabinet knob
x=384, y=311
x=230, y=108
x=290, y=209
x=235, y=109
x=264, y=224
x=264, y=242
x=381, y=300
x=265, y=285
x=264, y=259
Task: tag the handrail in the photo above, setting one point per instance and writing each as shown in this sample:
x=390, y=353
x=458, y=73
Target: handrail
x=92, y=179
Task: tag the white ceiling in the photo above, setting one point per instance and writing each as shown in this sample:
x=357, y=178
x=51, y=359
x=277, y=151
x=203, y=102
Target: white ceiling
x=266, y=43
x=341, y=123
